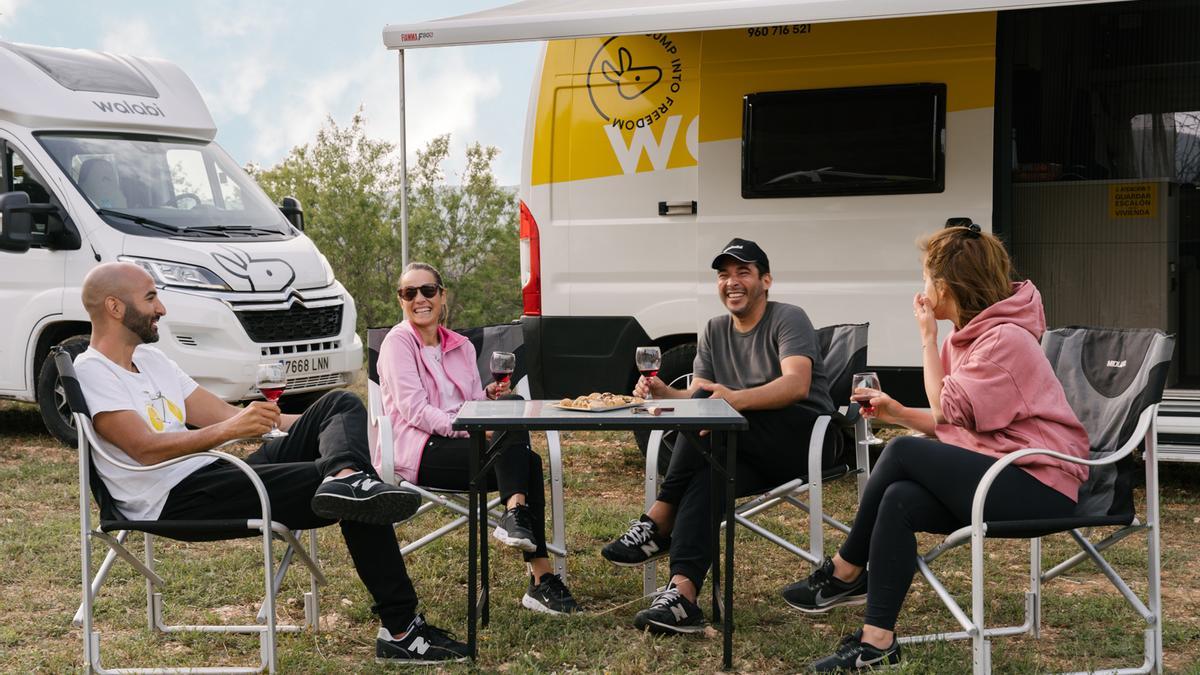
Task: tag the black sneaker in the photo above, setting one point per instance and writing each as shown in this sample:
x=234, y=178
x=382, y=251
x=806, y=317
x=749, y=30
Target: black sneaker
x=640, y=544
x=515, y=529
x=363, y=498
x=853, y=655
x=822, y=591
x=670, y=614
x=422, y=644
x=550, y=596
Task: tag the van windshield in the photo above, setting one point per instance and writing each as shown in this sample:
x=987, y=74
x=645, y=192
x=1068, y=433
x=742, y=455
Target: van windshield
x=166, y=187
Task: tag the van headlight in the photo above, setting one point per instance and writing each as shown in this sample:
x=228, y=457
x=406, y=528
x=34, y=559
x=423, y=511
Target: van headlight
x=177, y=274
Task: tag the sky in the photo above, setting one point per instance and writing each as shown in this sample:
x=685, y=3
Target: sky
x=271, y=72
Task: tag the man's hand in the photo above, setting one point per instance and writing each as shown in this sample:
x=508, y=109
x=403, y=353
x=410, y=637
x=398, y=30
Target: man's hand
x=255, y=419
x=651, y=386
x=732, y=396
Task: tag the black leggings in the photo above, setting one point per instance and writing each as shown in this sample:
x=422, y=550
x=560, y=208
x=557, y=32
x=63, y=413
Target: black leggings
x=922, y=485
x=518, y=470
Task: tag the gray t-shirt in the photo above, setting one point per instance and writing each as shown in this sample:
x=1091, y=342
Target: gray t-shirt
x=744, y=360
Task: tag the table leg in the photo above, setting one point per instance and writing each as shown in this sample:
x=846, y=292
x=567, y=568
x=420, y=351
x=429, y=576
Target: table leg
x=730, y=497
x=484, y=548
x=472, y=542
x=716, y=503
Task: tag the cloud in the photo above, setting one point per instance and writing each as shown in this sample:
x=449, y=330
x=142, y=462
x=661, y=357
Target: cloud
x=444, y=95
x=8, y=9
x=239, y=85
x=129, y=36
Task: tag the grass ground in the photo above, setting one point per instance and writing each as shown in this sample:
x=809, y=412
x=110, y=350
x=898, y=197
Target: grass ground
x=1086, y=625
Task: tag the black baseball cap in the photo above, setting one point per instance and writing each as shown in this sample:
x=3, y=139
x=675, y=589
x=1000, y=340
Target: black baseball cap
x=745, y=251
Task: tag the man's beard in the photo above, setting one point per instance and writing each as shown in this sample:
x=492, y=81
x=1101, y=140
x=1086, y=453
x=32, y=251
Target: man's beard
x=141, y=325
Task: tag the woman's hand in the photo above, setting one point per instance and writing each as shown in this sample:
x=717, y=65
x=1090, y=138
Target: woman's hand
x=884, y=408
x=926, y=321
x=495, y=390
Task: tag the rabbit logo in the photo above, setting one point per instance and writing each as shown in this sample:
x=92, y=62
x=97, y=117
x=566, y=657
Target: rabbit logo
x=264, y=274
x=634, y=80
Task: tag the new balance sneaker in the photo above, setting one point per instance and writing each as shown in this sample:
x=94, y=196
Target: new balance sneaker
x=853, y=655
x=364, y=499
x=549, y=596
x=640, y=544
x=670, y=614
x=422, y=644
x=515, y=529
x=822, y=591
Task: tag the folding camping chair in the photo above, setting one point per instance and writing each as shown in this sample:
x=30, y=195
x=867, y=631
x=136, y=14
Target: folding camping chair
x=1114, y=381
x=114, y=530
x=844, y=351
x=502, y=337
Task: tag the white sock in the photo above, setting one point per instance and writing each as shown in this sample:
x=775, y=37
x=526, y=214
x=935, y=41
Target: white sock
x=349, y=475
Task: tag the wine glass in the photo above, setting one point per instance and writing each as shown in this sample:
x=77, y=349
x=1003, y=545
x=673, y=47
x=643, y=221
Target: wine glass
x=870, y=381
x=271, y=380
x=503, y=364
x=648, y=360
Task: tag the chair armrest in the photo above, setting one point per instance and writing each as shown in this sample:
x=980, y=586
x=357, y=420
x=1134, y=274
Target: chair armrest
x=264, y=502
x=383, y=438
x=985, y=484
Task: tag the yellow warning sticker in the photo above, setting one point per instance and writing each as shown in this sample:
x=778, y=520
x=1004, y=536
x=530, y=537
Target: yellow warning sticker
x=1133, y=200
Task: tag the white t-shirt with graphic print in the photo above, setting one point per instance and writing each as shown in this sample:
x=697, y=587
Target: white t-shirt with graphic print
x=156, y=393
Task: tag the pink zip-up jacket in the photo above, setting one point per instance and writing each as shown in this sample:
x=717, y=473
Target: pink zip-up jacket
x=1000, y=394
x=410, y=391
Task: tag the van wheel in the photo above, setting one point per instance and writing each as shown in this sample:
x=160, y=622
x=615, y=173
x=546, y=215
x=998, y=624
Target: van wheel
x=52, y=400
x=676, y=362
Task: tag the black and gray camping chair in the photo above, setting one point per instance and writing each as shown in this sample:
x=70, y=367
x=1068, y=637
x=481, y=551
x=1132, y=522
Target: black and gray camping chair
x=1114, y=381
x=114, y=529
x=844, y=351
x=502, y=337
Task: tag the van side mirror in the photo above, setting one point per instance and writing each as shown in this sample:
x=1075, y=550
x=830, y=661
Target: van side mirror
x=16, y=223
x=292, y=211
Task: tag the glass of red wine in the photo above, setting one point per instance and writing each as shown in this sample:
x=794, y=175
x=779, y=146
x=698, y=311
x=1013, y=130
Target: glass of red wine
x=870, y=381
x=648, y=360
x=503, y=364
x=271, y=380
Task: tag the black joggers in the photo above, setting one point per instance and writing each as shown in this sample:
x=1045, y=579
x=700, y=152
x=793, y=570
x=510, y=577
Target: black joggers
x=330, y=436
x=771, y=452
x=922, y=485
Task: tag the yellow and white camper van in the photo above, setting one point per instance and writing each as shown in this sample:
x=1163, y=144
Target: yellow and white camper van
x=835, y=134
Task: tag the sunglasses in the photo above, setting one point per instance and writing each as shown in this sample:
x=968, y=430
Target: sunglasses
x=410, y=292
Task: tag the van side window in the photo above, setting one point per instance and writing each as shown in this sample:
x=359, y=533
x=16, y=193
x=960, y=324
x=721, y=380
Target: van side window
x=851, y=141
x=19, y=176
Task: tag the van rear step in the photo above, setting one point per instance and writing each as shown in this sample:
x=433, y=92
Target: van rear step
x=1179, y=426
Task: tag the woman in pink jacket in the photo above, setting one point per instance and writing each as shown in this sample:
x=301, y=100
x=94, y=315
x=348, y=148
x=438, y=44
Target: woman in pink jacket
x=991, y=392
x=426, y=373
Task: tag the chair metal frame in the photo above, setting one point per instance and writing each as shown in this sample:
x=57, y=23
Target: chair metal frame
x=267, y=628
x=789, y=492
x=974, y=629
x=456, y=501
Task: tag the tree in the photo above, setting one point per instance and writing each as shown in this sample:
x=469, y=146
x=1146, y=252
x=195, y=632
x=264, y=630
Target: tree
x=349, y=186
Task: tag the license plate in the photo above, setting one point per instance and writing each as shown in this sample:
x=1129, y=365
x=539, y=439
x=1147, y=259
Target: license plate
x=305, y=365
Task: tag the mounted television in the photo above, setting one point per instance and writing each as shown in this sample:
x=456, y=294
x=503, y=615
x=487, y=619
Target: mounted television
x=888, y=139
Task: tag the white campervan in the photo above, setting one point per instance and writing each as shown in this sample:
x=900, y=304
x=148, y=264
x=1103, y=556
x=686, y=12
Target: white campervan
x=106, y=157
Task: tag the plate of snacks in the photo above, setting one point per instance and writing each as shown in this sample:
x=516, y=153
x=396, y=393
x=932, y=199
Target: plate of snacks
x=597, y=402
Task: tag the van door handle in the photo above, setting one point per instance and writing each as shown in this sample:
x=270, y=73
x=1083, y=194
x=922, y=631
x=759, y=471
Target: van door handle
x=677, y=208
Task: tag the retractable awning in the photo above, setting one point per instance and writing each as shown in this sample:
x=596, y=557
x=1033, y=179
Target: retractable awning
x=557, y=19
x=536, y=20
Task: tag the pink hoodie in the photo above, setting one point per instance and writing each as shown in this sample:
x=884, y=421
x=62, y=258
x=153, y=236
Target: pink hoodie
x=1000, y=393
x=410, y=391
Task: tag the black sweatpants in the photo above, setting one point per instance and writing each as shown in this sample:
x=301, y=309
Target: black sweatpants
x=518, y=470
x=330, y=436
x=922, y=485
x=771, y=452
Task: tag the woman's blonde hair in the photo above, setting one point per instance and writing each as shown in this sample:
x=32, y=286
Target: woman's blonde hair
x=972, y=265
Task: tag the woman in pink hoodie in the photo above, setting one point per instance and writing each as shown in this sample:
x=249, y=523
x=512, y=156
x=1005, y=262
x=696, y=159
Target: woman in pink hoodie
x=426, y=373
x=991, y=391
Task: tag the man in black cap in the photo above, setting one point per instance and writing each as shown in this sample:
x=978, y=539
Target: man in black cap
x=764, y=359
